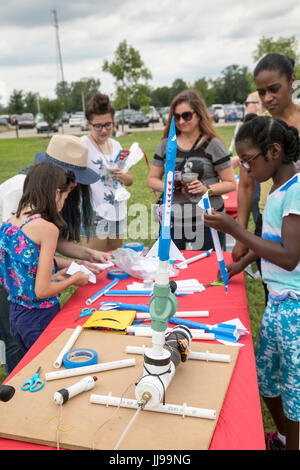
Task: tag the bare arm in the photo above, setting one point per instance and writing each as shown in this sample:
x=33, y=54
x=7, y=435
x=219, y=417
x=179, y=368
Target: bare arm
x=155, y=178
x=124, y=178
x=44, y=287
x=74, y=250
x=245, y=200
x=285, y=254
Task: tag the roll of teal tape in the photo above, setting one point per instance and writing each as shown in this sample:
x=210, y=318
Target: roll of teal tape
x=117, y=273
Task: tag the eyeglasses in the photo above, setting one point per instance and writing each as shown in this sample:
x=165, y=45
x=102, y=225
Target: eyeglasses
x=250, y=102
x=99, y=126
x=186, y=116
x=246, y=164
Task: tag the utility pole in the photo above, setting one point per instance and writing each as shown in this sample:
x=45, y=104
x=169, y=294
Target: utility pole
x=58, y=48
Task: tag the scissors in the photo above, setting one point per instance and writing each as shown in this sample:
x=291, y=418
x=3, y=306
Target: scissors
x=34, y=384
x=86, y=312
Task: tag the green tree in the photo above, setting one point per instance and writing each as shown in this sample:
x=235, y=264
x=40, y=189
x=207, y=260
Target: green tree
x=160, y=97
x=177, y=86
x=233, y=85
x=267, y=45
x=51, y=109
x=128, y=70
x=16, y=102
x=82, y=91
x=206, y=89
x=31, y=102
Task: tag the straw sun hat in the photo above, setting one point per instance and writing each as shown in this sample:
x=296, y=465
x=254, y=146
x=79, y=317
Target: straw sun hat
x=71, y=153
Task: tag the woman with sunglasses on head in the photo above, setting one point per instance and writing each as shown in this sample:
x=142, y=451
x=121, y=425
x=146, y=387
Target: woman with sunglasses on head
x=200, y=152
x=109, y=218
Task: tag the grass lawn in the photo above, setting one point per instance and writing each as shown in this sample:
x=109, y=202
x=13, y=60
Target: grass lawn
x=15, y=154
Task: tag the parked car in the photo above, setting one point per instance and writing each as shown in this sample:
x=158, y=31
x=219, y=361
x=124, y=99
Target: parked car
x=43, y=126
x=220, y=110
x=13, y=119
x=165, y=114
x=138, y=120
x=240, y=111
x=3, y=122
x=153, y=115
x=214, y=114
x=26, y=121
x=65, y=117
x=125, y=114
x=76, y=119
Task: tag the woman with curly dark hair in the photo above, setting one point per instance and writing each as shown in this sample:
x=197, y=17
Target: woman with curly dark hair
x=109, y=218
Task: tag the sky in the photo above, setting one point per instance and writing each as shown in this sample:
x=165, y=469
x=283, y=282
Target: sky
x=186, y=39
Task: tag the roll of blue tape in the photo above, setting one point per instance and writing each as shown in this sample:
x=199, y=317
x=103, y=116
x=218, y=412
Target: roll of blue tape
x=116, y=273
x=90, y=356
x=136, y=246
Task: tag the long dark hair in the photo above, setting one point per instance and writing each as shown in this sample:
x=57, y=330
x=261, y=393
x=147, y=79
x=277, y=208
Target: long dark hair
x=39, y=191
x=77, y=210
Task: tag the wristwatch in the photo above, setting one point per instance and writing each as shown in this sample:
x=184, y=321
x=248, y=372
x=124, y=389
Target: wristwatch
x=210, y=191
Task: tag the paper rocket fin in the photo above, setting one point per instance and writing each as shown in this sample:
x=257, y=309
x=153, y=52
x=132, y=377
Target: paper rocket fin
x=175, y=254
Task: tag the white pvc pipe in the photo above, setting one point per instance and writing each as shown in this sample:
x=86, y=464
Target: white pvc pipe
x=146, y=331
x=200, y=356
x=67, y=347
x=182, y=410
x=192, y=314
x=62, y=374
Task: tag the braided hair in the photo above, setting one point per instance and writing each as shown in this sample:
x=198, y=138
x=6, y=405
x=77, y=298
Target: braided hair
x=265, y=130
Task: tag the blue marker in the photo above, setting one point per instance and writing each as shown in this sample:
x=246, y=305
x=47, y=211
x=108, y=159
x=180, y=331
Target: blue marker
x=216, y=241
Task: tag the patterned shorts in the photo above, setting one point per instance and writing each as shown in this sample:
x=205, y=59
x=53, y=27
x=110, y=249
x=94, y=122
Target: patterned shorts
x=103, y=228
x=277, y=355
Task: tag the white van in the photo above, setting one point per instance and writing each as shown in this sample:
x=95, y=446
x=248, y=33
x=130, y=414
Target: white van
x=220, y=110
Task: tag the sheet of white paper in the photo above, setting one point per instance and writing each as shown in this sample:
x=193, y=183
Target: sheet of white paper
x=75, y=267
x=242, y=329
x=103, y=266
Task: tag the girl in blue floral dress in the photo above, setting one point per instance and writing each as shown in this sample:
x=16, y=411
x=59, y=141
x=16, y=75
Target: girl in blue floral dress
x=27, y=246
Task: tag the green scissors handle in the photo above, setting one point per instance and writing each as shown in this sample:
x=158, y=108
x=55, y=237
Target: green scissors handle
x=34, y=384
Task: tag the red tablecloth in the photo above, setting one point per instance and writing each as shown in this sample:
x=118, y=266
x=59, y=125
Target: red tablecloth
x=239, y=425
x=230, y=203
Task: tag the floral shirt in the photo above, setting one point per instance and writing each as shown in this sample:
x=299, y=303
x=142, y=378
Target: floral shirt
x=103, y=191
x=19, y=257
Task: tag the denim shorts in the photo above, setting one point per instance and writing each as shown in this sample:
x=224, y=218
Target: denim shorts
x=103, y=228
x=278, y=345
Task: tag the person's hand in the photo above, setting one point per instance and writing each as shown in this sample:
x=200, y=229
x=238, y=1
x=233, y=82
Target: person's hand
x=219, y=221
x=96, y=256
x=239, y=250
x=91, y=266
x=79, y=279
x=60, y=275
x=232, y=269
x=118, y=175
x=196, y=187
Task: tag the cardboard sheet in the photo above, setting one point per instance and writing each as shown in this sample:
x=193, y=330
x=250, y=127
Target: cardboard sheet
x=30, y=416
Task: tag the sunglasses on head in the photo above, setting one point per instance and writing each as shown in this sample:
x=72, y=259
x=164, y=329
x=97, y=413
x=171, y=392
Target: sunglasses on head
x=99, y=126
x=186, y=116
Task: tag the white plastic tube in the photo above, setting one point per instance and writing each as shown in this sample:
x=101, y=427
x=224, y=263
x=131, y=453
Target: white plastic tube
x=68, y=346
x=200, y=356
x=146, y=331
x=62, y=374
x=182, y=410
x=192, y=314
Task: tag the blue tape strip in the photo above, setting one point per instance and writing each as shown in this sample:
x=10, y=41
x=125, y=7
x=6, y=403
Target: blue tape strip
x=69, y=363
x=136, y=246
x=117, y=274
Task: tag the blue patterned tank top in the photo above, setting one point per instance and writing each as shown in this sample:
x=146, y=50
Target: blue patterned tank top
x=19, y=257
